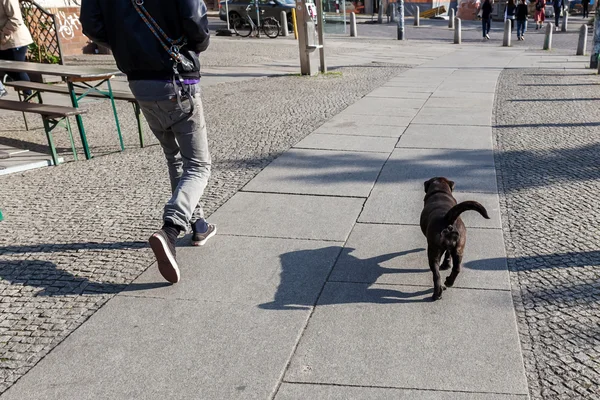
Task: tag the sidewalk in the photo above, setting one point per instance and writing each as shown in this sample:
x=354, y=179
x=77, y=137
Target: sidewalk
x=317, y=284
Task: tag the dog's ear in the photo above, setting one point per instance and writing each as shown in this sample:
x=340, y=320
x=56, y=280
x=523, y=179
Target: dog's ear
x=451, y=184
x=427, y=183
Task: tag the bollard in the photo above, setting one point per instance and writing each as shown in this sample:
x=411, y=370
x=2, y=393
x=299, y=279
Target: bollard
x=392, y=12
x=548, y=38
x=284, y=24
x=295, y=23
x=380, y=13
x=353, y=32
x=565, y=20
x=457, y=32
x=417, y=17
x=507, y=33
x=451, y=19
x=582, y=44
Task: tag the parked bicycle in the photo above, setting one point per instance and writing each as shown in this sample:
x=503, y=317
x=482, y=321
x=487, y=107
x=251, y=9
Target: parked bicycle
x=244, y=26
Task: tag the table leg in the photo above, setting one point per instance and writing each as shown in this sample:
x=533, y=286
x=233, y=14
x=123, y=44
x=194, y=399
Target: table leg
x=79, y=120
x=112, y=101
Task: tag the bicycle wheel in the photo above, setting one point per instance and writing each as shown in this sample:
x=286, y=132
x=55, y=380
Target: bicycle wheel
x=242, y=27
x=270, y=27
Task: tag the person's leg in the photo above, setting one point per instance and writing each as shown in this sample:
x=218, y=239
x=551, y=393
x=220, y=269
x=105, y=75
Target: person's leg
x=16, y=54
x=556, y=16
x=483, y=27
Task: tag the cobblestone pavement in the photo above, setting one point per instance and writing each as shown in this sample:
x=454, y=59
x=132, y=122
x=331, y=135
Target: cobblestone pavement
x=76, y=234
x=548, y=137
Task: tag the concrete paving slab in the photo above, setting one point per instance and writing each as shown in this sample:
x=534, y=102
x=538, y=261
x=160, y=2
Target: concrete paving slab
x=472, y=170
x=288, y=216
x=463, y=95
x=398, y=92
x=387, y=103
x=378, y=109
x=350, y=142
x=447, y=137
x=394, y=336
x=322, y=172
x=167, y=349
x=390, y=204
x=466, y=86
x=296, y=391
x=361, y=129
x=452, y=102
x=347, y=119
x=397, y=254
x=264, y=272
x=453, y=116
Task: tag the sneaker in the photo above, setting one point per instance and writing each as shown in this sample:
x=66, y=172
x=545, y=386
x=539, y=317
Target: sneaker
x=522, y=37
x=3, y=92
x=202, y=231
x=487, y=36
x=164, y=251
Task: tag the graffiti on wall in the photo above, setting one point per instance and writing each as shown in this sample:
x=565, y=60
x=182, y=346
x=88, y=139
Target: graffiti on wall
x=68, y=25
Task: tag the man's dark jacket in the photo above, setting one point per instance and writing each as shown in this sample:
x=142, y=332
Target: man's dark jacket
x=117, y=25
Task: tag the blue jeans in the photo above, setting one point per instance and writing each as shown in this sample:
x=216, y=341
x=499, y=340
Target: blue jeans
x=520, y=28
x=15, y=54
x=486, y=24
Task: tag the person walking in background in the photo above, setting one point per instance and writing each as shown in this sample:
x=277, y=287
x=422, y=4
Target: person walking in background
x=585, y=4
x=486, y=18
x=14, y=36
x=540, y=13
x=158, y=49
x=521, y=16
x=558, y=5
x=509, y=13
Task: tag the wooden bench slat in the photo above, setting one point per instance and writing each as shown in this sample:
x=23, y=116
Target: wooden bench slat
x=44, y=87
x=42, y=109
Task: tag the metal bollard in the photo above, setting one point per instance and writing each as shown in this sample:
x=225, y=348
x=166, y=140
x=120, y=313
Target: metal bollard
x=353, y=32
x=380, y=13
x=457, y=32
x=582, y=44
x=507, y=33
x=451, y=19
x=284, y=24
x=565, y=20
x=548, y=37
x=417, y=16
x=400, y=27
x=596, y=42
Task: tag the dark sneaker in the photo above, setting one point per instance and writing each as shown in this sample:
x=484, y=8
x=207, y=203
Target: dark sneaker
x=202, y=231
x=164, y=251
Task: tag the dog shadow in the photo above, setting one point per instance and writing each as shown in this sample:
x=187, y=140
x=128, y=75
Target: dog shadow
x=306, y=280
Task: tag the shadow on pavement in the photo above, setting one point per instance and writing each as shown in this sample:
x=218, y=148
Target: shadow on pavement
x=56, y=282
x=291, y=295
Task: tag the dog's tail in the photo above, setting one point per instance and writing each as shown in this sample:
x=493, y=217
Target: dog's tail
x=453, y=214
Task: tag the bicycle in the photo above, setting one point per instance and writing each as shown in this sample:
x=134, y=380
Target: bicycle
x=244, y=26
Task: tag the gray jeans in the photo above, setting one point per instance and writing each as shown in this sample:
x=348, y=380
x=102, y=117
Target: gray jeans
x=184, y=142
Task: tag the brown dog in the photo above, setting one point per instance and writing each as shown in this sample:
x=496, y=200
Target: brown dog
x=444, y=230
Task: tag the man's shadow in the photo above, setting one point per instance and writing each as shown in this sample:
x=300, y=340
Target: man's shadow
x=303, y=273
x=56, y=282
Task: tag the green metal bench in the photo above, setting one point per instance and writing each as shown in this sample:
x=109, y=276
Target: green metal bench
x=52, y=116
x=37, y=88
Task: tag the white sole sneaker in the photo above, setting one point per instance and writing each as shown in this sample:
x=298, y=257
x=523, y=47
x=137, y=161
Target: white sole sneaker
x=167, y=265
x=212, y=231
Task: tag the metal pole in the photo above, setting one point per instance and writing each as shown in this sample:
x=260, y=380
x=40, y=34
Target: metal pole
x=401, y=20
x=344, y=5
x=417, y=20
x=380, y=13
x=352, y=25
x=320, y=31
x=227, y=13
x=257, y=18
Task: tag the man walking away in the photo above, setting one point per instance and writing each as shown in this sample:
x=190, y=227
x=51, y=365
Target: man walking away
x=521, y=19
x=156, y=44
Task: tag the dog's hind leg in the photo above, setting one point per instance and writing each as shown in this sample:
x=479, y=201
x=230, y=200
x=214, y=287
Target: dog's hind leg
x=456, y=266
x=434, y=264
x=446, y=263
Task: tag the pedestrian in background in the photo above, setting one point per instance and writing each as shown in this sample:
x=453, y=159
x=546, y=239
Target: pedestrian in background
x=486, y=18
x=540, y=13
x=509, y=14
x=558, y=5
x=521, y=16
x=585, y=4
x=14, y=36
